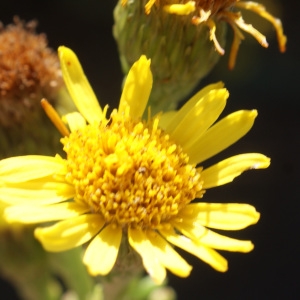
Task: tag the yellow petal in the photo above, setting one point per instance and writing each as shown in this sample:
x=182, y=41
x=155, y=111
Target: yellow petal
x=200, y=117
x=141, y=244
x=101, y=254
x=229, y=216
x=166, y=118
x=78, y=86
x=203, y=236
x=37, y=214
x=221, y=135
x=167, y=256
x=69, y=233
x=221, y=242
x=75, y=121
x=38, y=192
x=180, y=9
x=226, y=170
x=137, y=88
x=188, y=106
x=189, y=227
x=208, y=255
x=29, y=167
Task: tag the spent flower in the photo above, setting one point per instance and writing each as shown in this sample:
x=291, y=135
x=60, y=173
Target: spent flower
x=29, y=71
x=210, y=12
x=134, y=180
x=184, y=40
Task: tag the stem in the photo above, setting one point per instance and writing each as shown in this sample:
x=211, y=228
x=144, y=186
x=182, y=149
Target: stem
x=24, y=263
x=68, y=265
x=128, y=267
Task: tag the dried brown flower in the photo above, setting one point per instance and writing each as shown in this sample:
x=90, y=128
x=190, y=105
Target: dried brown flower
x=29, y=70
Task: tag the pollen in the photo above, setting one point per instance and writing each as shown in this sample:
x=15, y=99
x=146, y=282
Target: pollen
x=130, y=172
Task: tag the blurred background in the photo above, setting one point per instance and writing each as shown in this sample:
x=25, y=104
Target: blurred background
x=263, y=79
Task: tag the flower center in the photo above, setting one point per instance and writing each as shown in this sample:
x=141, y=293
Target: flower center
x=130, y=171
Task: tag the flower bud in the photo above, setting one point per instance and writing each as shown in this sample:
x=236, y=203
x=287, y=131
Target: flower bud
x=184, y=39
x=181, y=53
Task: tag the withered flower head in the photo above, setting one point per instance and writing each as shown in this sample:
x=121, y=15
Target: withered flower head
x=211, y=12
x=29, y=70
x=184, y=40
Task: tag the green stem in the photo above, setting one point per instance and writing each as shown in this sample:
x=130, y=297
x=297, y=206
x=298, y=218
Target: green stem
x=128, y=268
x=24, y=264
x=68, y=265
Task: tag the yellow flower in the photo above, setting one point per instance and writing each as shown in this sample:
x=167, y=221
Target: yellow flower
x=212, y=12
x=124, y=176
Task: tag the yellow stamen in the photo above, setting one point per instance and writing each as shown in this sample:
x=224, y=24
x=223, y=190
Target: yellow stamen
x=54, y=117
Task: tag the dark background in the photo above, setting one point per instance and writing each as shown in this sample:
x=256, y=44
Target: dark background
x=263, y=79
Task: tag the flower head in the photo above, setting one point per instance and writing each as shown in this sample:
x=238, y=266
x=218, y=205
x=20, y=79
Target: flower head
x=127, y=177
x=211, y=13
x=29, y=70
x=183, y=39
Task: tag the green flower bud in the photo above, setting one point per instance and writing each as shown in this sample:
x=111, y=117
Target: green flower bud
x=181, y=53
x=184, y=40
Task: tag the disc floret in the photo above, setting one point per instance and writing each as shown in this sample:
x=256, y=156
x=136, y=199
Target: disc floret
x=130, y=171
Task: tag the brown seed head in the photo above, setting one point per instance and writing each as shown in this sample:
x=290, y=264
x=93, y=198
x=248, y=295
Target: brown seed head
x=29, y=70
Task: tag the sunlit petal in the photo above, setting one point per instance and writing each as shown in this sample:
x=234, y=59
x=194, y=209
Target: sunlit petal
x=75, y=121
x=141, y=244
x=69, y=233
x=208, y=255
x=78, y=86
x=220, y=136
x=201, y=235
x=229, y=216
x=168, y=256
x=29, y=167
x=137, y=88
x=37, y=214
x=180, y=9
x=101, y=254
x=166, y=118
x=38, y=192
x=226, y=170
x=45, y=188
x=188, y=106
x=200, y=117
